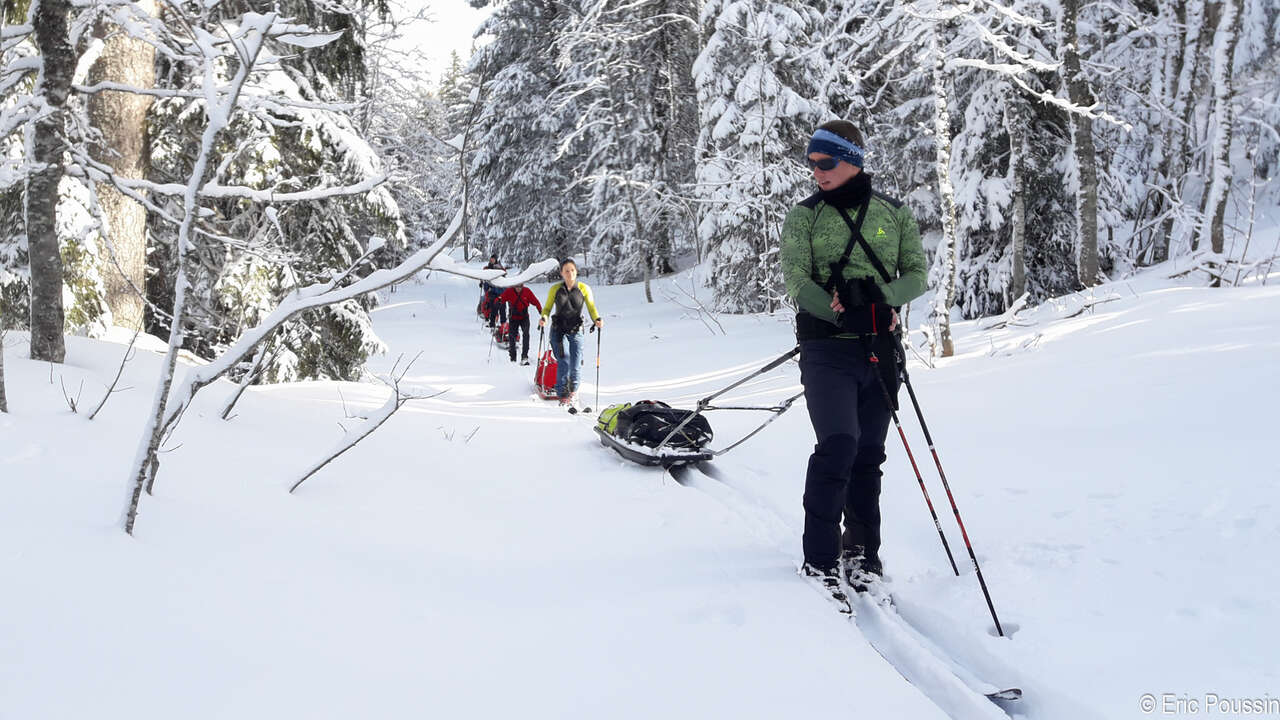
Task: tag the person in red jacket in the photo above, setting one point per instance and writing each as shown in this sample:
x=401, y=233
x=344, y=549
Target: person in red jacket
x=518, y=298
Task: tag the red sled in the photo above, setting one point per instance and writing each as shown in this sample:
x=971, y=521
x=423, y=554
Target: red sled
x=544, y=379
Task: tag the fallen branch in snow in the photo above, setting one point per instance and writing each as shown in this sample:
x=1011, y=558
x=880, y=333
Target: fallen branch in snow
x=1090, y=304
x=371, y=422
x=1006, y=318
x=1025, y=344
x=111, y=390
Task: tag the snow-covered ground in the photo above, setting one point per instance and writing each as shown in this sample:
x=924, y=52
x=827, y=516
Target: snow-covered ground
x=482, y=556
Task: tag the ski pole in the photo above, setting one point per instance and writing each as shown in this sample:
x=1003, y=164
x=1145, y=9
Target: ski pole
x=599, y=334
x=888, y=400
x=906, y=378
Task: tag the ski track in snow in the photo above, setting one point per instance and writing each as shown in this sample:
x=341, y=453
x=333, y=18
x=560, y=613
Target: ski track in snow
x=464, y=543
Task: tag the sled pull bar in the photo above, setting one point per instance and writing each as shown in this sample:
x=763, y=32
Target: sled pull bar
x=786, y=404
x=705, y=402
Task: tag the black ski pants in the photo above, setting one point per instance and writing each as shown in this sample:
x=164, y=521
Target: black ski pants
x=497, y=309
x=518, y=326
x=850, y=420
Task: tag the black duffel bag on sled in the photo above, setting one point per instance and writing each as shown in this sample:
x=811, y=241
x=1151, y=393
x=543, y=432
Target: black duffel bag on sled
x=651, y=432
x=649, y=422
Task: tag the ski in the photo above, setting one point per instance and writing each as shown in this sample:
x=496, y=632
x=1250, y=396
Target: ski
x=876, y=615
x=837, y=594
x=914, y=655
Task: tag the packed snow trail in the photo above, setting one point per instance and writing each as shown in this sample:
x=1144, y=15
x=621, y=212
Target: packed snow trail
x=481, y=539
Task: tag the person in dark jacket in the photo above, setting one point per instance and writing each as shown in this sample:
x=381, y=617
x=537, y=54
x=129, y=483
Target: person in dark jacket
x=518, y=298
x=565, y=303
x=497, y=311
x=847, y=312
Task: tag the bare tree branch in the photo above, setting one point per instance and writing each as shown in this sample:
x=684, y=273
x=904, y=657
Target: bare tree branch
x=128, y=355
x=373, y=421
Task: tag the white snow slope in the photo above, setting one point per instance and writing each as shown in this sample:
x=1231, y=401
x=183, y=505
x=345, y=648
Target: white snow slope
x=481, y=556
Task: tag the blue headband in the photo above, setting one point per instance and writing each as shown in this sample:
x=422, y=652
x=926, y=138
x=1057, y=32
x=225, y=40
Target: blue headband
x=829, y=143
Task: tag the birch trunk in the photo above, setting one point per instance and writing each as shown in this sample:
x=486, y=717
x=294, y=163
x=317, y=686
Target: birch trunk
x=221, y=102
x=1086, y=156
x=1190, y=15
x=121, y=118
x=1015, y=122
x=947, y=250
x=4, y=403
x=1164, y=80
x=1224, y=48
x=44, y=147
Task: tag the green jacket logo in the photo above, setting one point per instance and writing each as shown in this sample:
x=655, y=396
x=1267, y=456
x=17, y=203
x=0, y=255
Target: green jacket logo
x=879, y=232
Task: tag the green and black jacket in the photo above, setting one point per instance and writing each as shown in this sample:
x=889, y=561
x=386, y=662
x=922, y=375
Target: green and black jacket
x=814, y=236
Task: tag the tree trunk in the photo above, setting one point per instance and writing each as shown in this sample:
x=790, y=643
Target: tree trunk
x=44, y=147
x=1086, y=157
x=947, y=247
x=1224, y=48
x=1190, y=15
x=4, y=403
x=1015, y=121
x=121, y=118
x=1164, y=81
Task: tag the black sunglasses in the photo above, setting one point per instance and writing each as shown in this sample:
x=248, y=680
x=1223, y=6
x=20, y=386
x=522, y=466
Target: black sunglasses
x=826, y=164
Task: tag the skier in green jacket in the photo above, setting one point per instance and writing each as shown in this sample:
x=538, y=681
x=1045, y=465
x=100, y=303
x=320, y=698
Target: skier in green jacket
x=847, y=310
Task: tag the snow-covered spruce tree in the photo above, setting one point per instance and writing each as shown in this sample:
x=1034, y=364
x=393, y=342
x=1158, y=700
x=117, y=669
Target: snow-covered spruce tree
x=295, y=144
x=1258, y=58
x=626, y=66
x=454, y=93
x=461, y=97
x=1015, y=241
x=520, y=178
x=756, y=109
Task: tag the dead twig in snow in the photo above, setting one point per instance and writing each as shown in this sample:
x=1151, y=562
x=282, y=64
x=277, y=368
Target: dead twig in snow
x=373, y=421
x=72, y=403
x=111, y=390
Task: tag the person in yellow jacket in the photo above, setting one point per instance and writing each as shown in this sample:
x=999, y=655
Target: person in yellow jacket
x=564, y=305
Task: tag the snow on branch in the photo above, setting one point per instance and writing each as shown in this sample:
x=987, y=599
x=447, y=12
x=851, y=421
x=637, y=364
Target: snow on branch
x=1015, y=73
x=1008, y=317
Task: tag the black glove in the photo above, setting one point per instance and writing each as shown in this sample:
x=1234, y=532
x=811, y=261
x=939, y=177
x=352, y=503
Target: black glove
x=871, y=291
x=859, y=291
x=870, y=319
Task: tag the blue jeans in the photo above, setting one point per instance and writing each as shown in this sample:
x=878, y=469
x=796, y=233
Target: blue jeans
x=566, y=363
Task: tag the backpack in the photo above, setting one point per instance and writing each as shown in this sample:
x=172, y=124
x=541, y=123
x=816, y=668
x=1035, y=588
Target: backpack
x=648, y=422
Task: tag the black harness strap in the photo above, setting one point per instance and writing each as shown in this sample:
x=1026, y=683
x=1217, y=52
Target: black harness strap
x=856, y=229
